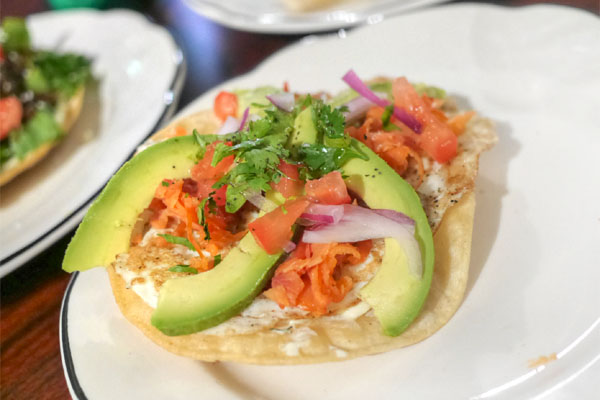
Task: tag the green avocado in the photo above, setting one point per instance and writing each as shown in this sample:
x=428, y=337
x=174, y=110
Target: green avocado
x=194, y=303
x=395, y=293
x=106, y=228
x=304, y=129
x=255, y=99
x=186, y=304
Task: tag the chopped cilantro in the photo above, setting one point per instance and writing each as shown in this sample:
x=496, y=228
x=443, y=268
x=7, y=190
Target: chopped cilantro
x=259, y=149
x=165, y=183
x=183, y=268
x=387, y=114
x=216, y=260
x=177, y=240
x=203, y=141
x=321, y=159
x=202, y=218
x=235, y=198
x=329, y=122
x=386, y=119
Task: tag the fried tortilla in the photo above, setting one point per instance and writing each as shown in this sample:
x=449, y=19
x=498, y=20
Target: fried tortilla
x=66, y=115
x=266, y=334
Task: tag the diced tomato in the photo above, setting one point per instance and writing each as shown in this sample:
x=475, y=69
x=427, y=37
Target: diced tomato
x=290, y=184
x=11, y=112
x=203, y=170
x=330, y=189
x=459, y=122
x=274, y=229
x=220, y=196
x=436, y=138
x=1, y=54
x=226, y=105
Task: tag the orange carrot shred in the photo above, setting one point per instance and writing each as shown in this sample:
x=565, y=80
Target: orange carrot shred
x=459, y=122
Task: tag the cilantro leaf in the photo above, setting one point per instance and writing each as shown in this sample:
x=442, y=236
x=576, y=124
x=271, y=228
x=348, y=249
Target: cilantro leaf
x=320, y=159
x=329, y=122
x=177, y=240
x=202, y=218
x=203, y=141
x=183, y=268
x=216, y=260
x=235, y=198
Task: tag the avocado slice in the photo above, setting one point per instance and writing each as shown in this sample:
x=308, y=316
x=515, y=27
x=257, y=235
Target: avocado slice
x=194, y=303
x=304, y=129
x=106, y=228
x=186, y=304
x=395, y=293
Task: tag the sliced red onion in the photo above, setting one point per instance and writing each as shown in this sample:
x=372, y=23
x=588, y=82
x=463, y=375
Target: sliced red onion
x=230, y=125
x=317, y=218
x=358, y=107
x=398, y=217
x=258, y=200
x=284, y=101
x=244, y=118
x=324, y=214
x=289, y=246
x=357, y=84
x=360, y=223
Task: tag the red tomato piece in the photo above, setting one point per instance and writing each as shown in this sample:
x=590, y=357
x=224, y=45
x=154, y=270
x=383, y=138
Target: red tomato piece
x=436, y=138
x=204, y=170
x=11, y=112
x=330, y=189
x=274, y=229
x=220, y=196
x=290, y=184
x=226, y=105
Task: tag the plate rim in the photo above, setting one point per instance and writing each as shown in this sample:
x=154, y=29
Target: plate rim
x=73, y=384
x=36, y=245
x=193, y=105
x=291, y=24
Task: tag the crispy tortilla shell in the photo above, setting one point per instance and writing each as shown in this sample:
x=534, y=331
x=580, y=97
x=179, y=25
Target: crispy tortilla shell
x=68, y=111
x=327, y=339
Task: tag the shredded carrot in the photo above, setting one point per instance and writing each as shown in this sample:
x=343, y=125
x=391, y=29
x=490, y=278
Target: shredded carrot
x=310, y=278
x=175, y=202
x=160, y=241
x=190, y=232
x=137, y=238
x=459, y=122
x=201, y=263
x=395, y=147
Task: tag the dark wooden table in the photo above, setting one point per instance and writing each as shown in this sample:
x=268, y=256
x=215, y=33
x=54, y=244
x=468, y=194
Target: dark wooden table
x=30, y=364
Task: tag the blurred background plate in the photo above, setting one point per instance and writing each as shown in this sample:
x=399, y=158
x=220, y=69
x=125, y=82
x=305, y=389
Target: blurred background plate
x=139, y=71
x=272, y=16
x=533, y=282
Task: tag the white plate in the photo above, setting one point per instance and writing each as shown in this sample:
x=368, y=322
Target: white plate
x=140, y=71
x=272, y=16
x=534, y=278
